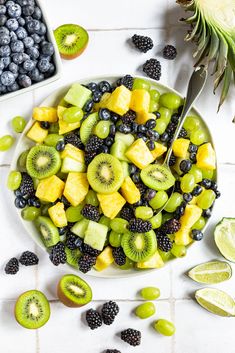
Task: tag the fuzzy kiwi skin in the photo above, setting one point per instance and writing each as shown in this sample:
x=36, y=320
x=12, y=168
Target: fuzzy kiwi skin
x=74, y=56
x=65, y=300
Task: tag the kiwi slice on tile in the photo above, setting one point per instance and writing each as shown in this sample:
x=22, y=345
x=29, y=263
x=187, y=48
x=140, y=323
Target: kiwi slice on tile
x=32, y=309
x=87, y=126
x=105, y=174
x=73, y=291
x=157, y=177
x=71, y=40
x=49, y=232
x=72, y=257
x=43, y=162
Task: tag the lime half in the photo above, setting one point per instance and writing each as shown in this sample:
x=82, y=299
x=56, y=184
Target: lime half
x=225, y=238
x=216, y=301
x=211, y=272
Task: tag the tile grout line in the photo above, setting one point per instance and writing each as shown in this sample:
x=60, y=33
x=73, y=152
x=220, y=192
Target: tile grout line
x=136, y=28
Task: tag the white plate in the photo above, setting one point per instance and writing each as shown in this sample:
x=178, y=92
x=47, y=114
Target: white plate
x=24, y=143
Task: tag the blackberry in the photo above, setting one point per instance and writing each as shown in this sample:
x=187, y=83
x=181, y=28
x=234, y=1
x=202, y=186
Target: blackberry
x=131, y=336
x=169, y=52
x=119, y=256
x=74, y=140
x=183, y=133
x=28, y=258
x=91, y=212
x=142, y=188
x=86, y=262
x=93, y=144
x=171, y=128
x=172, y=160
x=12, y=267
x=93, y=319
x=89, y=157
x=112, y=351
x=171, y=226
x=143, y=43
x=87, y=249
x=163, y=242
x=129, y=117
x=73, y=241
x=26, y=186
x=58, y=255
x=127, y=213
x=137, y=225
x=109, y=311
x=152, y=68
x=126, y=81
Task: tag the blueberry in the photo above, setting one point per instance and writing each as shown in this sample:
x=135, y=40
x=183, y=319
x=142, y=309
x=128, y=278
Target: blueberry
x=134, y=127
x=14, y=87
x=132, y=169
x=214, y=186
x=44, y=65
x=217, y=194
x=206, y=183
x=13, y=36
x=150, y=124
x=97, y=96
x=5, y=50
x=179, y=211
x=20, y=202
x=4, y=30
x=24, y=81
x=36, y=38
x=29, y=65
x=185, y=165
x=197, y=190
x=62, y=230
x=21, y=21
x=2, y=2
x=109, y=141
x=187, y=197
x=158, y=114
x=125, y=129
x=13, y=68
x=6, y=61
x=37, y=14
x=164, y=137
x=197, y=234
x=2, y=10
x=136, y=177
x=21, y=33
x=33, y=53
x=114, y=117
x=150, y=134
x=28, y=42
x=14, y=10
x=151, y=145
x=112, y=130
x=3, y=89
x=3, y=20
x=142, y=136
x=50, y=71
x=141, y=128
x=28, y=10
x=48, y=49
x=4, y=39
x=192, y=148
x=17, y=46
x=45, y=125
x=22, y=71
x=193, y=157
x=42, y=30
x=12, y=24
x=28, y=18
x=149, y=195
x=33, y=26
x=18, y=58
x=104, y=86
x=92, y=86
x=60, y=146
x=9, y=3
x=105, y=149
x=1, y=66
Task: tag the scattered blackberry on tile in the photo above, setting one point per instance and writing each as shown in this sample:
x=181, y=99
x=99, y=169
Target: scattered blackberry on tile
x=126, y=81
x=119, y=256
x=152, y=68
x=142, y=43
x=58, y=255
x=86, y=262
x=169, y=52
x=171, y=226
x=131, y=336
x=12, y=267
x=93, y=319
x=137, y=225
x=108, y=312
x=91, y=212
x=28, y=258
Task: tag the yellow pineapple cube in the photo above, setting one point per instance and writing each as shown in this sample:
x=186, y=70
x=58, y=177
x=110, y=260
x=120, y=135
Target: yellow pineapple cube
x=50, y=189
x=60, y=111
x=102, y=103
x=111, y=204
x=119, y=101
x=129, y=191
x=182, y=237
x=37, y=133
x=206, y=157
x=140, y=100
x=159, y=150
x=155, y=261
x=65, y=127
x=76, y=188
x=191, y=215
x=139, y=154
x=105, y=259
x=143, y=117
x=45, y=114
x=180, y=147
x=73, y=152
x=58, y=215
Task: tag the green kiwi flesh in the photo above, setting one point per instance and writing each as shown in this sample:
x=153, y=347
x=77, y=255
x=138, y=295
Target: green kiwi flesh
x=157, y=177
x=49, y=232
x=72, y=257
x=73, y=291
x=105, y=174
x=32, y=309
x=43, y=162
x=87, y=127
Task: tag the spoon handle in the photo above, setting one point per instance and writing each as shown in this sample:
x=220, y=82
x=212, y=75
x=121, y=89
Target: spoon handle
x=195, y=87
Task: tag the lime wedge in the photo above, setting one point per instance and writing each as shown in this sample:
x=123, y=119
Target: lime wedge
x=211, y=272
x=216, y=301
x=225, y=238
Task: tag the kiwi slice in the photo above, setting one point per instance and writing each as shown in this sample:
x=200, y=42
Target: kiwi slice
x=48, y=230
x=139, y=246
x=73, y=291
x=87, y=127
x=43, y=162
x=32, y=309
x=72, y=257
x=71, y=40
x=157, y=177
x=105, y=174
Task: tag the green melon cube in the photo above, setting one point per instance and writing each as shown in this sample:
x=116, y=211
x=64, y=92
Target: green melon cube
x=96, y=235
x=80, y=228
x=78, y=95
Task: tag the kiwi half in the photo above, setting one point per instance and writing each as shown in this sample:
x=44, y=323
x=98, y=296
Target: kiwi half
x=48, y=230
x=72, y=257
x=73, y=291
x=32, y=309
x=157, y=177
x=87, y=127
x=43, y=162
x=139, y=246
x=71, y=40
x=105, y=174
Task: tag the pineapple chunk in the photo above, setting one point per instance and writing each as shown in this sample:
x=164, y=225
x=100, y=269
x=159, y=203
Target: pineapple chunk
x=76, y=188
x=180, y=147
x=139, y=154
x=182, y=237
x=129, y=191
x=159, y=150
x=140, y=100
x=60, y=111
x=74, y=153
x=206, y=157
x=45, y=114
x=102, y=103
x=105, y=259
x=57, y=214
x=191, y=215
x=37, y=133
x=111, y=204
x=155, y=261
x=63, y=126
x=50, y=189
x=119, y=101
x=143, y=117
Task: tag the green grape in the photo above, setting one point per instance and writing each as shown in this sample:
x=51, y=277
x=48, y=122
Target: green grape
x=197, y=173
x=143, y=212
x=191, y=123
x=44, y=209
x=119, y=225
x=53, y=139
x=91, y=198
x=166, y=217
x=153, y=106
x=128, y=265
x=72, y=115
x=154, y=95
x=174, y=201
x=54, y=128
x=187, y=183
x=102, y=129
x=21, y=162
x=170, y=100
x=18, y=124
x=198, y=137
x=30, y=213
x=150, y=293
x=200, y=224
x=206, y=199
x=14, y=180
x=207, y=174
x=160, y=126
x=115, y=239
x=164, y=327
x=178, y=250
x=165, y=255
x=156, y=220
x=145, y=310
x=165, y=114
x=158, y=200
x=105, y=221
x=73, y=213
x=6, y=142
x=140, y=83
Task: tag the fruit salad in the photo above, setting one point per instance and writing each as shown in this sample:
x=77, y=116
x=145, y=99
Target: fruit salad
x=93, y=181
